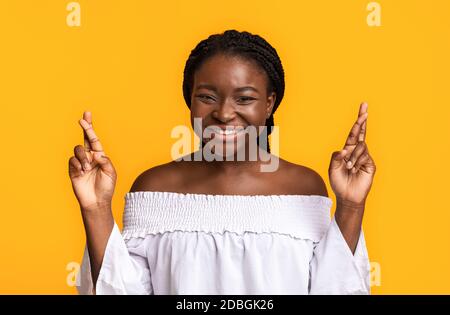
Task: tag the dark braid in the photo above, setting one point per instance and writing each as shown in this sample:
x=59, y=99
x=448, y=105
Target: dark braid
x=246, y=45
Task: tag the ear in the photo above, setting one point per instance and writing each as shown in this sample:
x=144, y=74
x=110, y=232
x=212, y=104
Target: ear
x=270, y=103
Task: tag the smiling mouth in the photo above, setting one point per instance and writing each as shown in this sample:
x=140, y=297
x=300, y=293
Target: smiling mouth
x=226, y=133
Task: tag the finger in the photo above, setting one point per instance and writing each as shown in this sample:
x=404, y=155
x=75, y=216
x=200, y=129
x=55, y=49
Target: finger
x=103, y=161
x=362, y=110
x=75, y=168
x=362, y=160
x=368, y=165
x=94, y=141
x=81, y=155
x=353, y=136
x=362, y=133
x=337, y=158
x=357, y=152
x=105, y=164
x=88, y=117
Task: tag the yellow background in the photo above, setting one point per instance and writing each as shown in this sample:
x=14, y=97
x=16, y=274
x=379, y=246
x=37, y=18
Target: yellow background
x=125, y=63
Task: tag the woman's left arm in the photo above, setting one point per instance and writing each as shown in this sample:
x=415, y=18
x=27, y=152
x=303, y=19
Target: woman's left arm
x=340, y=262
x=351, y=173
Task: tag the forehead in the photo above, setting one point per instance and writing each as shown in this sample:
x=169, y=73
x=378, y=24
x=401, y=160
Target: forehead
x=230, y=72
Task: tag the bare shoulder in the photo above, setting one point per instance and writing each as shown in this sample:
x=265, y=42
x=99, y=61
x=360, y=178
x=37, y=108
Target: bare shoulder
x=162, y=177
x=306, y=180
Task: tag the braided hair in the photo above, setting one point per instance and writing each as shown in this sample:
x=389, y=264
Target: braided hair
x=244, y=44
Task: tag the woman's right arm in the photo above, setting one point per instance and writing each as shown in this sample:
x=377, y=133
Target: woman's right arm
x=93, y=180
x=110, y=265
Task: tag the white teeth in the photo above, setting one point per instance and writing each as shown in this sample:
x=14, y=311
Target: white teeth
x=229, y=132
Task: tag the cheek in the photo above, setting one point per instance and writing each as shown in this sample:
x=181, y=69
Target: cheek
x=199, y=110
x=255, y=114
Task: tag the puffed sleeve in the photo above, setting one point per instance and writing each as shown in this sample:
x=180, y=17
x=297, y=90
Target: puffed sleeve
x=124, y=268
x=334, y=269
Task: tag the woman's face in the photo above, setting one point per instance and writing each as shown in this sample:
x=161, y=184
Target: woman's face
x=229, y=92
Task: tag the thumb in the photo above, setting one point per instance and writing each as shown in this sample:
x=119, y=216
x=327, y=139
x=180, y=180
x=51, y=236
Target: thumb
x=104, y=162
x=337, y=158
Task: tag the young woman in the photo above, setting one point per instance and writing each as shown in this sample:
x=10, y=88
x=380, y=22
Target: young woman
x=219, y=226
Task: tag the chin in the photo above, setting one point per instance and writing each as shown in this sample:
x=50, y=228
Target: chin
x=224, y=150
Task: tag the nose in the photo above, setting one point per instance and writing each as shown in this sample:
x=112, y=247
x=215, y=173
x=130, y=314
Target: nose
x=225, y=112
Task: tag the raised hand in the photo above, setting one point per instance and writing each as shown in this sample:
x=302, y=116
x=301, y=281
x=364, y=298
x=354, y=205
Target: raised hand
x=352, y=169
x=92, y=174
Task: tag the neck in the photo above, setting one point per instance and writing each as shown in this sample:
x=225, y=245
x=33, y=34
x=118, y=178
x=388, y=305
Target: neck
x=233, y=165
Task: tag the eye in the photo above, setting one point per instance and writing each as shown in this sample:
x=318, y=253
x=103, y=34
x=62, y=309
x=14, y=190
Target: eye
x=206, y=98
x=245, y=99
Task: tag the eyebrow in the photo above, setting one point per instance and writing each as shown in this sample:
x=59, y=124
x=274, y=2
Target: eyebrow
x=247, y=88
x=207, y=86
x=213, y=88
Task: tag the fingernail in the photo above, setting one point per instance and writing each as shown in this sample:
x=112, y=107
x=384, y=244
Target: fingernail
x=87, y=166
x=354, y=170
x=349, y=164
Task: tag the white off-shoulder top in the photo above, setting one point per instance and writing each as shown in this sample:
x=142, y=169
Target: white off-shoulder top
x=176, y=243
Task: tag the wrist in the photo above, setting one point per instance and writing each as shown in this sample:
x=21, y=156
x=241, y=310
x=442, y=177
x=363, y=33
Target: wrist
x=349, y=206
x=99, y=211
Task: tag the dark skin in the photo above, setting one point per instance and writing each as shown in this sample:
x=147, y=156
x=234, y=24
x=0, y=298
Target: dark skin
x=221, y=96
